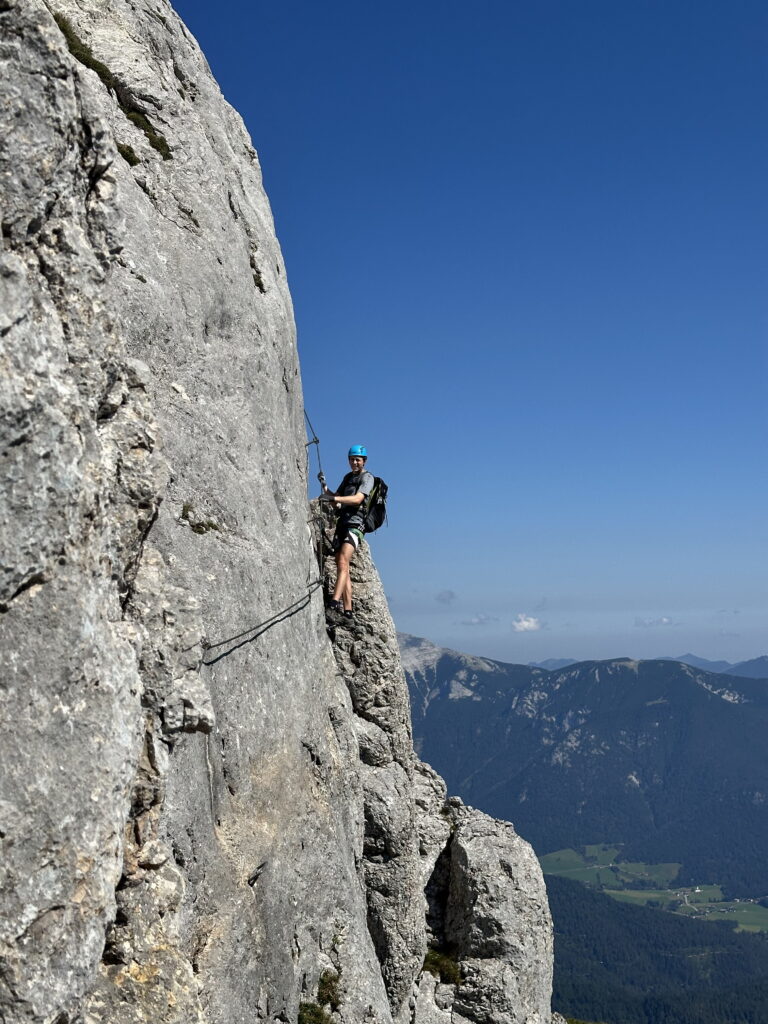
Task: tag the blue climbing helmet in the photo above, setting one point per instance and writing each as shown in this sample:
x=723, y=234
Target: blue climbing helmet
x=358, y=449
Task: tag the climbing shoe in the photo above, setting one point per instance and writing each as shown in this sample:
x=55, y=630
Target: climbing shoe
x=335, y=612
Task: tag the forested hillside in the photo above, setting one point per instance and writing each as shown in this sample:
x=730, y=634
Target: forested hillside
x=630, y=965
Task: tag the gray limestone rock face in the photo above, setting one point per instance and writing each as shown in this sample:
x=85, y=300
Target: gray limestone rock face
x=182, y=824
x=368, y=659
x=487, y=919
x=81, y=485
x=475, y=887
x=208, y=807
x=489, y=911
x=433, y=1002
x=434, y=818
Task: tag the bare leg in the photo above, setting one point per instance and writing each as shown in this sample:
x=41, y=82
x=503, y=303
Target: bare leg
x=343, y=589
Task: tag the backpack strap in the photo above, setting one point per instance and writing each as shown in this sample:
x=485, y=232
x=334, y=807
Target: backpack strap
x=370, y=498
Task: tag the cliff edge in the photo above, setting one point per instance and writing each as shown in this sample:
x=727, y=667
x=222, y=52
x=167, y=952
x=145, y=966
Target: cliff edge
x=211, y=810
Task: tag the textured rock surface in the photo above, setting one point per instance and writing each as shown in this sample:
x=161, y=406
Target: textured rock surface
x=487, y=909
x=81, y=485
x=368, y=658
x=206, y=806
x=147, y=308
x=497, y=921
x=436, y=872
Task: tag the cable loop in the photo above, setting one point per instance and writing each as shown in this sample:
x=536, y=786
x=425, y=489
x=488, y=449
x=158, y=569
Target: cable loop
x=261, y=627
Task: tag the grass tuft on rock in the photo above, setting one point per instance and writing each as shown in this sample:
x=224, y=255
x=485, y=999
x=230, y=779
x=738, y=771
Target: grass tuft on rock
x=128, y=154
x=328, y=990
x=84, y=54
x=154, y=138
x=442, y=966
x=311, y=1013
x=204, y=526
x=197, y=525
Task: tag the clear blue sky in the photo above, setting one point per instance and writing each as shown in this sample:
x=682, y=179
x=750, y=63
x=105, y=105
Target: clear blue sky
x=526, y=243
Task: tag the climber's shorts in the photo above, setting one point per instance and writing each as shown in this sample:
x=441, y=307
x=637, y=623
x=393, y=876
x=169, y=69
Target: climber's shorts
x=346, y=535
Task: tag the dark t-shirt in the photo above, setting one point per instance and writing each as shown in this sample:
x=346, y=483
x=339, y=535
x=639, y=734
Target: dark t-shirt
x=354, y=483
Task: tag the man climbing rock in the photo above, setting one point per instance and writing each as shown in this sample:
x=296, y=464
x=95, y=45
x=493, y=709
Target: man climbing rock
x=348, y=498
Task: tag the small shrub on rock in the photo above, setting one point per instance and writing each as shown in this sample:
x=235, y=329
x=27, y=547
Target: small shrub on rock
x=311, y=1013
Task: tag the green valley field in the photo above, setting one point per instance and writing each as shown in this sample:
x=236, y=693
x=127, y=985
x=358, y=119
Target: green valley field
x=652, y=885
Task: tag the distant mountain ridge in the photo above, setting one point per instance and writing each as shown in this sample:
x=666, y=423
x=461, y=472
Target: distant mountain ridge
x=551, y=664
x=668, y=759
x=755, y=668
x=696, y=662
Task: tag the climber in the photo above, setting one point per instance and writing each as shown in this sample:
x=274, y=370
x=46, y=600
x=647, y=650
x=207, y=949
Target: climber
x=348, y=499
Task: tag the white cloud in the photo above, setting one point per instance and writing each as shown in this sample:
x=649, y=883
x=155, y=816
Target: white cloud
x=479, y=620
x=446, y=596
x=526, y=624
x=663, y=620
